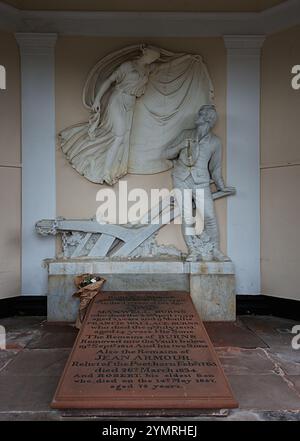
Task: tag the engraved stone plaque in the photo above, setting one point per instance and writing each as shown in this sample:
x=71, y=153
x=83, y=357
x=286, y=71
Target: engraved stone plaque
x=140, y=350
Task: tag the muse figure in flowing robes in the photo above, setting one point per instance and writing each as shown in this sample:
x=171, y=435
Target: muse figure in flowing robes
x=139, y=99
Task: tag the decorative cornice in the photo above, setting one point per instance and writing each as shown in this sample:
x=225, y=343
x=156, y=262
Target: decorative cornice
x=36, y=43
x=151, y=24
x=244, y=41
x=141, y=24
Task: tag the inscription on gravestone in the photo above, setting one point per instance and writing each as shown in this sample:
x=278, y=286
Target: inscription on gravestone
x=143, y=350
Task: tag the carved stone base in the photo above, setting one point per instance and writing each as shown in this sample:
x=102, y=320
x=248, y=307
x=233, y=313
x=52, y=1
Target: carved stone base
x=214, y=296
x=211, y=284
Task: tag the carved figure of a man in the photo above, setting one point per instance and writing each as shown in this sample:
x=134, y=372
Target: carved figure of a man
x=198, y=161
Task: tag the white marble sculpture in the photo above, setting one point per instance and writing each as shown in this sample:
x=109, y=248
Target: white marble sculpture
x=197, y=162
x=88, y=238
x=139, y=99
x=83, y=238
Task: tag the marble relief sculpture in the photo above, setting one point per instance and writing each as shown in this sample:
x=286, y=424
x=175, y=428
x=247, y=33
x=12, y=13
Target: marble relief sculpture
x=142, y=102
x=139, y=99
x=87, y=238
x=197, y=163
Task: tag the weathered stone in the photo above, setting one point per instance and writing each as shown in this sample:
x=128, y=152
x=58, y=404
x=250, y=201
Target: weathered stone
x=214, y=296
x=225, y=334
x=44, y=362
x=26, y=397
x=6, y=358
x=215, y=278
x=237, y=361
x=26, y=393
x=264, y=392
x=54, y=337
x=143, y=350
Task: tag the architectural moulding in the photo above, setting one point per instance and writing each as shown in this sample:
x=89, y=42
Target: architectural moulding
x=150, y=24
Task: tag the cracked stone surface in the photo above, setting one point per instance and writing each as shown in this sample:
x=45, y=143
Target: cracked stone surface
x=275, y=332
x=296, y=381
x=239, y=361
x=256, y=353
x=233, y=334
x=6, y=357
x=264, y=392
x=40, y=362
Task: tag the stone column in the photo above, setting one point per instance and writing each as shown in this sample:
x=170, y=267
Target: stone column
x=38, y=155
x=243, y=158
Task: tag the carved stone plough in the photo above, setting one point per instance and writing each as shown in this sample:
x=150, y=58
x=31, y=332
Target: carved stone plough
x=89, y=238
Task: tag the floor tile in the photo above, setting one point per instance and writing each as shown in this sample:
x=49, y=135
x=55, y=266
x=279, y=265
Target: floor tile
x=239, y=361
x=225, y=334
x=54, y=336
x=51, y=415
x=6, y=358
x=264, y=392
x=256, y=353
x=19, y=340
x=258, y=415
x=26, y=393
x=288, y=359
x=39, y=362
x=275, y=332
x=15, y=324
x=296, y=381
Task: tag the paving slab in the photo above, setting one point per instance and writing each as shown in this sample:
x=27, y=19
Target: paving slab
x=237, y=415
x=239, y=361
x=264, y=392
x=38, y=362
x=26, y=393
x=30, y=416
x=54, y=336
x=275, y=332
x=286, y=353
x=296, y=381
x=288, y=359
x=18, y=340
x=15, y=324
x=225, y=334
x=6, y=357
x=256, y=415
x=21, y=330
x=256, y=353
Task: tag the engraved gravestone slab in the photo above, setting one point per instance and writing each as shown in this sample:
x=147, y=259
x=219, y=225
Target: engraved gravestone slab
x=143, y=351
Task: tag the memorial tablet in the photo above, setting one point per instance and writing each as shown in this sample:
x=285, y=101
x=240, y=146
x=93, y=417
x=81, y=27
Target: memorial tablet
x=143, y=350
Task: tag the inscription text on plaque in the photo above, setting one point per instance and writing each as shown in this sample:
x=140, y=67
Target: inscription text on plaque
x=142, y=351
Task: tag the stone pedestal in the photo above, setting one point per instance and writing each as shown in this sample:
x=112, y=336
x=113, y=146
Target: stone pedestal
x=211, y=284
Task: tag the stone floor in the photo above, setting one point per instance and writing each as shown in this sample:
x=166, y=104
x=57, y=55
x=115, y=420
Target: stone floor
x=256, y=353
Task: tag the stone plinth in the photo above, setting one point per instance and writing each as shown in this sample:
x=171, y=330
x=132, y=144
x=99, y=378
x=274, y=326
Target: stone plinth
x=211, y=284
